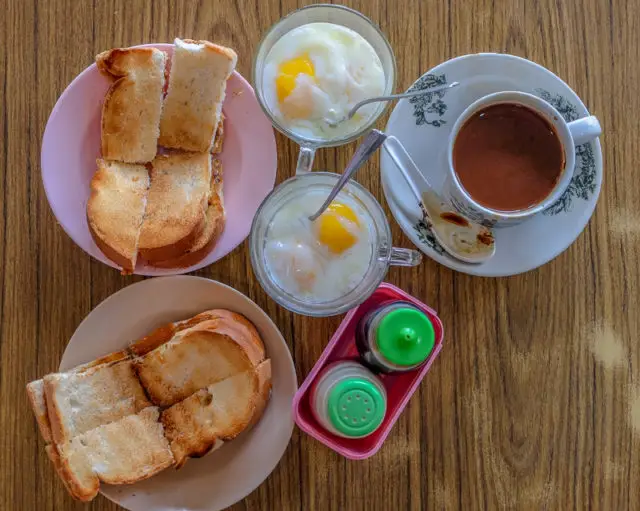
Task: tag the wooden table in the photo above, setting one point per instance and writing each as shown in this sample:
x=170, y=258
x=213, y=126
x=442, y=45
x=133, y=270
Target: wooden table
x=534, y=402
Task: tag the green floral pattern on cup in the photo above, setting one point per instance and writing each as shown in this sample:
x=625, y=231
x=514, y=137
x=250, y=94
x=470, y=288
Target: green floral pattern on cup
x=429, y=105
x=583, y=183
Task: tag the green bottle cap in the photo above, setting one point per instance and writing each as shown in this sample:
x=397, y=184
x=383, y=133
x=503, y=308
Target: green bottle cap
x=405, y=336
x=356, y=407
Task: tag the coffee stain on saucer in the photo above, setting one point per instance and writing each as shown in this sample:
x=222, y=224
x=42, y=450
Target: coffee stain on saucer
x=486, y=238
x=454, y=218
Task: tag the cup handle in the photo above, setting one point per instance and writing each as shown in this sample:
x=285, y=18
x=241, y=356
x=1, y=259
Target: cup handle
x=305, y=159
x=404, y=257
x=584, y=130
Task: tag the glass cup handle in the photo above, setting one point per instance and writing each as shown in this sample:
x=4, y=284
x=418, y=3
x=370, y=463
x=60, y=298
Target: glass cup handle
x=404, y=257
x=305, y=159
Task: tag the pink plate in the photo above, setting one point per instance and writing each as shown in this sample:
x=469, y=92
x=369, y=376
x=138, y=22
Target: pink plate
x=71, y=144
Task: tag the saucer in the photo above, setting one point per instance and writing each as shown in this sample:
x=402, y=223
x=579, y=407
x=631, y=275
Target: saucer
x=71, y=145
x=423, y=125
x=230, y=473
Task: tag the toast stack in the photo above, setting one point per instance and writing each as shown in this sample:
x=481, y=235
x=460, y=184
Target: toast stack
x=157, y=192
x=180, y=392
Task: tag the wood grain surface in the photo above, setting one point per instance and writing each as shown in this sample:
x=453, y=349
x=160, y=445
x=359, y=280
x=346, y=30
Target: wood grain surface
x=534, y=402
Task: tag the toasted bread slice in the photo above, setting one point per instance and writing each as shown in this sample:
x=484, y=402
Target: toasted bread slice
x=35, y=392
x=193, y=359
x=197, y=84
x=220, y=411
x=213, y=227
x=116, y=208
x=176, y=205
x=78, y=402
x=243, y=329
x=122, y=452
x=132, y=106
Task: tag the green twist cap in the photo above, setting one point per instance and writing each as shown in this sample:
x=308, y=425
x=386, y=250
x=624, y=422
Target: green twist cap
x=405, y=336
x=356, y=407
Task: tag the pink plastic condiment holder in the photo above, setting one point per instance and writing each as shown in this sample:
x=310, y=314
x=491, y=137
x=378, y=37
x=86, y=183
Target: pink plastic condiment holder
x=399, y=386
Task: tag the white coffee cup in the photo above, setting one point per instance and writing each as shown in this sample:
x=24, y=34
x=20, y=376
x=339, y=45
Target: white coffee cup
x=570, y=134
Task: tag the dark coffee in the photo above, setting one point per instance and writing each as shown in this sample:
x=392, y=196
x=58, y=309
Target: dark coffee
x=508, y=157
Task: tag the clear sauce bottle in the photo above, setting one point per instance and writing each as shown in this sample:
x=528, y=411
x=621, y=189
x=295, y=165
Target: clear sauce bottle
x=395, y=337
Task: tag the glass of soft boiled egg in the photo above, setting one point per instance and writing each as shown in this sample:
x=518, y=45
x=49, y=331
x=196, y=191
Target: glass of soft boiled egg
x=332, y=264
x=316, y=64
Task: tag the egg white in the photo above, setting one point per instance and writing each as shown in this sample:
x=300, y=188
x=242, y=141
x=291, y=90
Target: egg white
x=292, y=249
x=347, y=70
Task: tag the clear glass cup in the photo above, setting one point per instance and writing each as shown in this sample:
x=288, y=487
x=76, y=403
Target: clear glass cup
x=339, y=15
x=383, y=254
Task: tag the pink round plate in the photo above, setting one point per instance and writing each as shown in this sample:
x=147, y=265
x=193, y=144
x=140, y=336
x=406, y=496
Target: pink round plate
x=71, y=144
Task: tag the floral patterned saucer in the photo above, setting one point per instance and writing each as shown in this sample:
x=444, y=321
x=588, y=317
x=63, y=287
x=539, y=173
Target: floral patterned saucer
x=423, y=126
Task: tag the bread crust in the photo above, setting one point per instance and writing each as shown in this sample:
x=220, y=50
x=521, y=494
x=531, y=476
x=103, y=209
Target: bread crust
x=133, y=104
x=83, y=492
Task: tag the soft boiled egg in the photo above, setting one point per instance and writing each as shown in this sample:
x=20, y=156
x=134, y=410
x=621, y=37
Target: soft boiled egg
x=321, y=260
x=321, y=70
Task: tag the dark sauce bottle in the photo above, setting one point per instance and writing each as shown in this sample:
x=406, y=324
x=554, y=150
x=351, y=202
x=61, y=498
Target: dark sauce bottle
x=395, y=337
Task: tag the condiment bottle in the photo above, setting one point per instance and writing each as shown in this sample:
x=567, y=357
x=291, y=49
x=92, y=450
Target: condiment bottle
x=396, y=337
x=348, y=400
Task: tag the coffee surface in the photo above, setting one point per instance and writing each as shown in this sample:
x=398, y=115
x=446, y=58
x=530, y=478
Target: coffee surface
x=508, y=157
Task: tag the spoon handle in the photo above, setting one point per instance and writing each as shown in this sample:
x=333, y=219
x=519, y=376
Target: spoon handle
x=402, y=95
x=408, y=168
x=369, y=146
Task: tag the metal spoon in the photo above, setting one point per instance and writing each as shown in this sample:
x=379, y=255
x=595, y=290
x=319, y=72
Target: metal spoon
x=369, y=146
x=411, y=94
x=461, y=237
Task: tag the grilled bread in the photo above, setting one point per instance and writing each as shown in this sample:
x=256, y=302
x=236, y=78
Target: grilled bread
x=214, y=223
x=122, y=452
x=132, y=106
x=78, y=402
x=176, y=205
x=209, y=371
x=218, y=412
x=35, y=392
x=116, y=208
x=193, y=359
x=197, y=85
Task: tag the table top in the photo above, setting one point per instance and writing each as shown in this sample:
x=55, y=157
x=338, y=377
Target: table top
x=534, y=402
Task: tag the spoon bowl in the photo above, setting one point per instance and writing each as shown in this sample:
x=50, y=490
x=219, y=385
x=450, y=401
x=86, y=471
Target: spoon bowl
x=460, y=237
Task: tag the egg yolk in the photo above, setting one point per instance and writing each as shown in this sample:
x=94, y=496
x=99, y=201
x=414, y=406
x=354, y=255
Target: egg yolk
x=335, y=228
x=287, y=73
